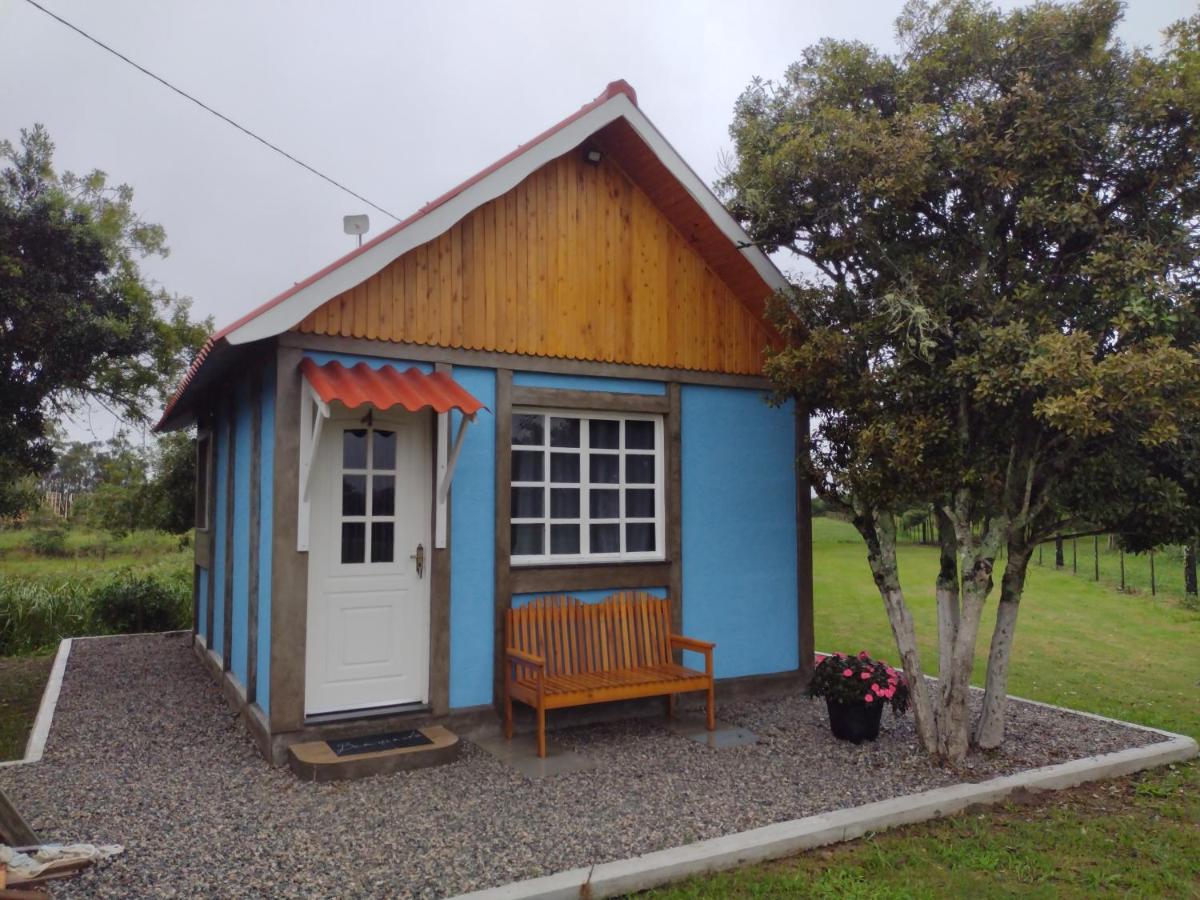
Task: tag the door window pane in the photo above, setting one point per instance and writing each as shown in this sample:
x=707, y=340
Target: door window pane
x=527, y=465
x=639, y=435
x=354, y=542
x=564, y=468
x=639, y=469
x=383, y=450
x=383, y=495
x=564, y=432
x=639, y=504
x=354, y=448
x=383, y=542
x=354, y=495
x=527, y=540
x=605, y=469
x=528, y=502
x=564, y=503
x=604, y=505
x=606, y=538
x=639, y=537
x=528, y=430
x=564, y=539
x=604, y=434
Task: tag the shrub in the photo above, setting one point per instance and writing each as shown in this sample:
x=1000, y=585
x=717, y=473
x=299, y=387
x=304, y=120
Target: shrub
x=131, y=603
x=48, y=542
x=859, y=679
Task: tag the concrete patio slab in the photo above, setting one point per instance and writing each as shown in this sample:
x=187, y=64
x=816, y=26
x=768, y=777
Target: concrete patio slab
x=521, y=754
x=723, y=736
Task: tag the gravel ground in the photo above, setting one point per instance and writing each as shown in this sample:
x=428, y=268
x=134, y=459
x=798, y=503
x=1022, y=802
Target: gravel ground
x=144, y=752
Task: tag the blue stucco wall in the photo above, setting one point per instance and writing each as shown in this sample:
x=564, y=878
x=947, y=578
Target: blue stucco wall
x=243, y=423
x=266, y=500
x=375, y=362
x=588, y=383
x=472, y=539
x=739, y=529
x=220, y=433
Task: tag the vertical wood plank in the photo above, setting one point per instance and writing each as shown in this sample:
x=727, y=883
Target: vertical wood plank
x=673, y=425
x=255, y=528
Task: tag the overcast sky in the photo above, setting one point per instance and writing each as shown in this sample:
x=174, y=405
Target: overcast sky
x=399, y=101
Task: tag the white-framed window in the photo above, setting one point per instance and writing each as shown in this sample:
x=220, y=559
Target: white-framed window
x=586, y=487
x=367, y=515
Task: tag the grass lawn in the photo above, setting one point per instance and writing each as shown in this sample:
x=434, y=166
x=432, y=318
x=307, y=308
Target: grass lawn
x=22, y=679
x=88, y=554
x=1078, y=644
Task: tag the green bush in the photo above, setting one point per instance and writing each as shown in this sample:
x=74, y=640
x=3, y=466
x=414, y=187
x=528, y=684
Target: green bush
x=48, y=542
x=130, y=603
x=37, y=613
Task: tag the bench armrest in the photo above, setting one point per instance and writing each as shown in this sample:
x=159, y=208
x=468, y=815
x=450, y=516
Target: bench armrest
x=687, y=643
x=527, y=658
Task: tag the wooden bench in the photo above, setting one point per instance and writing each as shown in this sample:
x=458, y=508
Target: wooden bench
x=563, y=652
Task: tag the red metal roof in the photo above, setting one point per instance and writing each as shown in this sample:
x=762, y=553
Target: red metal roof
x=387, y=386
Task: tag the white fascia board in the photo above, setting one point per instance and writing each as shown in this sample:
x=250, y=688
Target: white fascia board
x=293, y=309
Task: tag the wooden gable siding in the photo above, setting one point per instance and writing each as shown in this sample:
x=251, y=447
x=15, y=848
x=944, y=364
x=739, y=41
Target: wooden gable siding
x=576, y=262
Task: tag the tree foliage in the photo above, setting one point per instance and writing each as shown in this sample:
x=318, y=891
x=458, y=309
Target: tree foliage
x=79, y=323
x=1001, y=226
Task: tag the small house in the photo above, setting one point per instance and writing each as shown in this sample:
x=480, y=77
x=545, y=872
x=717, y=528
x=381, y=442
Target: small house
x=547, y=381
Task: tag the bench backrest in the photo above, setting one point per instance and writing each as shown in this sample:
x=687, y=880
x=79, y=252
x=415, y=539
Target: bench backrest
x=623, y=631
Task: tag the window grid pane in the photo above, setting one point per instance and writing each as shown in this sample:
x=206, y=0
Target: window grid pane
x=626, y=469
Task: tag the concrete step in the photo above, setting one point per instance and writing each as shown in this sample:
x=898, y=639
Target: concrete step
x=316, y=761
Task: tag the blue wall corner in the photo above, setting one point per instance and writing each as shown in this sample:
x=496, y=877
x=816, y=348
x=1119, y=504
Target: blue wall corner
x=472, y=539
x=739, y=529
x=266, y=510
x=588, y=383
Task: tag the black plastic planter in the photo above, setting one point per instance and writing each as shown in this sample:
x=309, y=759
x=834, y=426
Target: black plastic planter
x=854, y=722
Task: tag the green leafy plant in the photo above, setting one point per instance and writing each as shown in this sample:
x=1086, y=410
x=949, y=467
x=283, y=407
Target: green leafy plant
x=859, y=680
x=131, y=603
x=48, y=542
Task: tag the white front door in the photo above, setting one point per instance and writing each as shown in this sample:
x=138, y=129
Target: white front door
x=368, y=595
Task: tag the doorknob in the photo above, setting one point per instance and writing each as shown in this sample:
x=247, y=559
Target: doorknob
x=419, y=556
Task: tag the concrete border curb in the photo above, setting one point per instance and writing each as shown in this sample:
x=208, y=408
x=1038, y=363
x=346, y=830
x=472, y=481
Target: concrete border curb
x=788, y=838
x=36, y=744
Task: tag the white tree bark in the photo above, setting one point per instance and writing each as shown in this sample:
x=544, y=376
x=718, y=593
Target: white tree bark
x=989, y=732
x=879, y=530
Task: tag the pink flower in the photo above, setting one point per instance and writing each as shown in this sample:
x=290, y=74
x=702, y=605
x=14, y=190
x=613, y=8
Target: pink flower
x=889, y=693
x=847, y=673
x=869, y=699
x=877, y=689
x=863, y=654
x=866, y=675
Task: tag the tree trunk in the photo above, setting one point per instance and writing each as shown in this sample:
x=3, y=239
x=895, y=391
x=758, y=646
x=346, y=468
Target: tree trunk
x=1058, y=552
x=989, y=733
x=879, y=531
x=946, y=592
x=1189, y=568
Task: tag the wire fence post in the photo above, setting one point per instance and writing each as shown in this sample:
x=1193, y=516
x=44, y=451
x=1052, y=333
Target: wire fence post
x=1122, y=568
x=1074, y=556
x=1096, y=555
x=1039, y=554
x=1153, y=589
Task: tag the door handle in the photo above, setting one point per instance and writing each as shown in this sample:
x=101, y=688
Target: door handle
x=419, y=556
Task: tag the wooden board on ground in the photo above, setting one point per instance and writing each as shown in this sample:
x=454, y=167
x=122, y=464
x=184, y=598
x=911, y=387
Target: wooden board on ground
x=14, y=830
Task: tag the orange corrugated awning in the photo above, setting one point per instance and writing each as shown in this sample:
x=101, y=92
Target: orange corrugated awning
x=387, y=386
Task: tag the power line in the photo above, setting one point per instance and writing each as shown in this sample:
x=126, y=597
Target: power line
x=207, y=108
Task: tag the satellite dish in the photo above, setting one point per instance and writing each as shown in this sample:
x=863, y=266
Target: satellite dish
x=357, y=225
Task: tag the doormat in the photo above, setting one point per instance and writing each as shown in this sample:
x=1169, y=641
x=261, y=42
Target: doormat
x=373, y=743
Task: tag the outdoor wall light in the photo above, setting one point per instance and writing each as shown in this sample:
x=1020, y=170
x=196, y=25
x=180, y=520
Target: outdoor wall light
x=593, y=156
